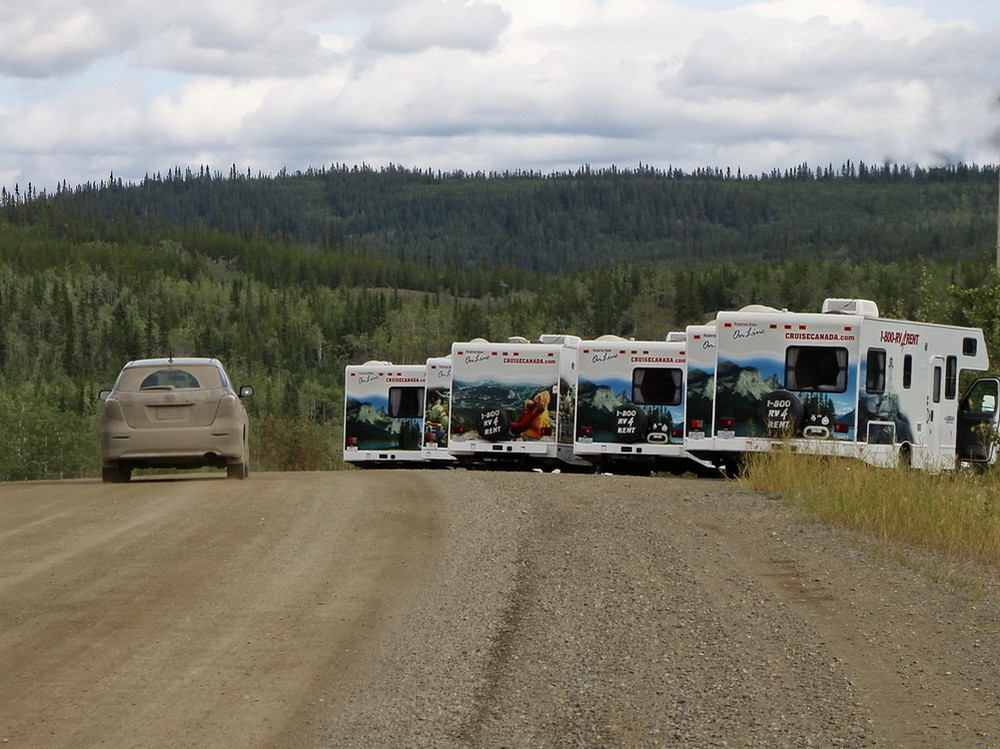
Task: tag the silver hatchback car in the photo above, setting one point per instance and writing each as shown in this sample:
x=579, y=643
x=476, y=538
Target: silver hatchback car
x=174, y=413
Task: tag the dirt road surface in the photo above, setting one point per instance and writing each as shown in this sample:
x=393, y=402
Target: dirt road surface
x=457, y=608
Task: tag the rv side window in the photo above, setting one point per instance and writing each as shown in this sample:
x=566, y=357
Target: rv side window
x=937, y=384
x=657, y=387
x=875, y=378
x=951, y=378
x=406, y=402
x=820, y=369
x=907, y=371
x=970, y=346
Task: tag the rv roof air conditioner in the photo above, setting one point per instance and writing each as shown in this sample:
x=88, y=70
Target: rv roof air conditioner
x=518, y=339
x=862, y=307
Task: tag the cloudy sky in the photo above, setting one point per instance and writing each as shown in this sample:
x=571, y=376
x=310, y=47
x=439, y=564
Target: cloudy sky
x=94, y=87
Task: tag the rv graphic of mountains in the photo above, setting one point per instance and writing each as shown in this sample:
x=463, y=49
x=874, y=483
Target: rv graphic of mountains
x=740, y=390
x=597, y=405
x=374, y=429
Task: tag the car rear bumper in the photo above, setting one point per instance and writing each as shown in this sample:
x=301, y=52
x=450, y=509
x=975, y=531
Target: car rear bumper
x=171, y=448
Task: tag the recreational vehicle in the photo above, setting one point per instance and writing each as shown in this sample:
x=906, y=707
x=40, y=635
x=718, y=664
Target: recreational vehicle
x=630, y=404
x=437, y=410
x=846, y=382
x=384, y=413
x=512, y=402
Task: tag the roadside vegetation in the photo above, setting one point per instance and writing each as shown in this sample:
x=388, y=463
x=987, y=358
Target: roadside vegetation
x=287, y=279
x=954, y=513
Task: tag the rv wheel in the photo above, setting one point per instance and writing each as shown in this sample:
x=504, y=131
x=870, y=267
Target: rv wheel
x=905, y=456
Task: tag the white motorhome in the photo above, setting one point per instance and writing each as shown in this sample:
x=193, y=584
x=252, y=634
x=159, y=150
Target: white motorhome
x=437, y=410
x=630, y=403
x=512, y=402
x=847, y=382
x=384, y=413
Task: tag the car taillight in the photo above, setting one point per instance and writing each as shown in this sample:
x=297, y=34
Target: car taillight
x=227, y=406
x=727, y=422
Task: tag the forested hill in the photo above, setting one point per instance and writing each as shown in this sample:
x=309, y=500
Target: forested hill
x=564, y=221
x=289, y=278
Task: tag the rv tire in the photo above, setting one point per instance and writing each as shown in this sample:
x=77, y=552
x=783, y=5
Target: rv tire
x=905, y=459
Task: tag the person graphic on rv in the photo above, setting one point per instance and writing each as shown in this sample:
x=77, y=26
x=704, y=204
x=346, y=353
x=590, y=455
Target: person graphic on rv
x=534, y=421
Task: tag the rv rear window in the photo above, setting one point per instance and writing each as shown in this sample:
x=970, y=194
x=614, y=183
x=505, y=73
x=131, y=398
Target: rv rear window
x=821, y=369
x=907, y=371
x=875, y=371
x=657, y=387
x=970, y=346
x=406, y=402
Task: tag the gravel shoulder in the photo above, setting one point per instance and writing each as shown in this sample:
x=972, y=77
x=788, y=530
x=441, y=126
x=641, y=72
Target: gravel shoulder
x=457, y=608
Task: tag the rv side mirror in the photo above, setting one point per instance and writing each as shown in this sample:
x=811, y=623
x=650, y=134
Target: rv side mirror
x=246, y=391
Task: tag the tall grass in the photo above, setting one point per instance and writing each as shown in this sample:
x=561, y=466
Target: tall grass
x=955, y=513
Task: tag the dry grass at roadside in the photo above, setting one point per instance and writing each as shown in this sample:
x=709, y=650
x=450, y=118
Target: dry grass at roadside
x=956, y=513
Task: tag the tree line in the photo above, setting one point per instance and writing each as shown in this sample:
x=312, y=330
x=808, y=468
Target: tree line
x=84, y=289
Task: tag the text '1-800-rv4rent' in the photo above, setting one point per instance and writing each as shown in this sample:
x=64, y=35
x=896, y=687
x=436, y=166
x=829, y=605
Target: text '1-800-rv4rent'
x=384, y=413
x=512, y=402
x=846, y=382
x=630, y=404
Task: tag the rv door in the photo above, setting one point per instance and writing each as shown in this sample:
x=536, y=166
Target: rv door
x=977, y=421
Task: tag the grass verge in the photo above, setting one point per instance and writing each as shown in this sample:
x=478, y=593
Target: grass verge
x=955, y=513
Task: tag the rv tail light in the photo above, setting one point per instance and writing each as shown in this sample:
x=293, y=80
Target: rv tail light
x=727, y=422
x=586, y=431
x=352, y=441
x=678, y=432
x=545, y=431
x=430, y=437
x=841, y=426
x=459, y=429
x=697, y=424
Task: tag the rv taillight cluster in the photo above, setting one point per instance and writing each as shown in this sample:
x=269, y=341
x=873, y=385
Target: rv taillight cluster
x=545, y=431
x=842, y=427
x=727, y=422
x=697, y=424
x=430, y=437
x=459, y=429
x=586, y=431
x=352, y=441
x=678, y=432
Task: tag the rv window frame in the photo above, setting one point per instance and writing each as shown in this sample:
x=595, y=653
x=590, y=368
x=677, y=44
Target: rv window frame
x=397, y=407
x=880, y=356
x=675, y=384
x=951, y=377
x=793, y=364
x=907, y=371
x=937, y=375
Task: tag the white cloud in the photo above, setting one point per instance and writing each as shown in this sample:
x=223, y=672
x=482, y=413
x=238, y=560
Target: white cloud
x=487, y=84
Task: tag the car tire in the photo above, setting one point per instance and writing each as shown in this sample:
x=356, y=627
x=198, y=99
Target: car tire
x=237, y=471
x=116, y=475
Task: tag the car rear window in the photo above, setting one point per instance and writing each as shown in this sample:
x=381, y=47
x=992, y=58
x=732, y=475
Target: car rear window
x=176, y=377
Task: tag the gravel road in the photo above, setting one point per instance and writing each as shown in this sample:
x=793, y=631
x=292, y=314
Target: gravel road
x=457, y=608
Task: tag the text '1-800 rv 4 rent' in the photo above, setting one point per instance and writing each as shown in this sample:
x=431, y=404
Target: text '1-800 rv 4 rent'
x=512, y=402
x=630, y=403
x=384, y=413
x=846, y=382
